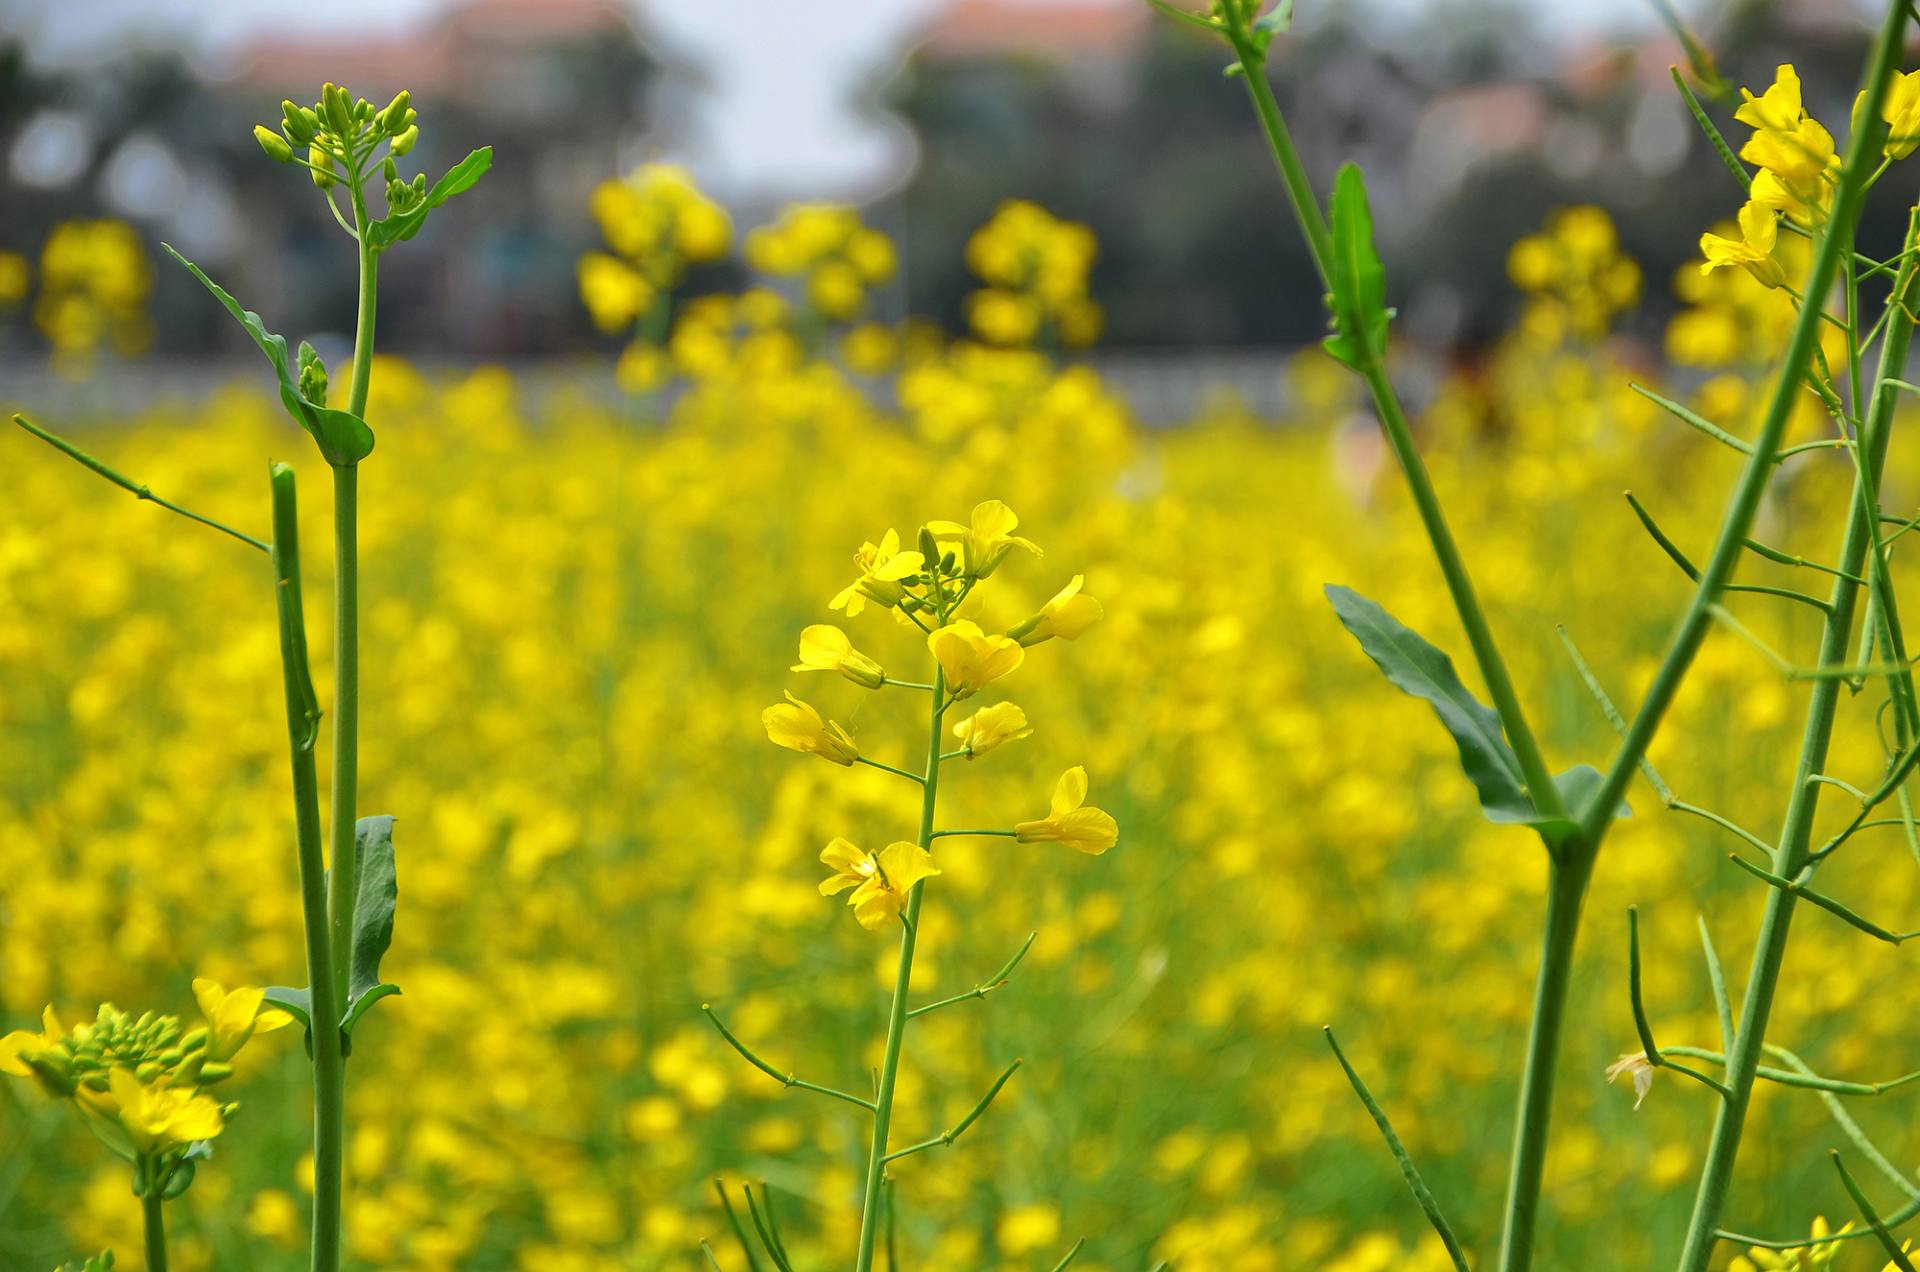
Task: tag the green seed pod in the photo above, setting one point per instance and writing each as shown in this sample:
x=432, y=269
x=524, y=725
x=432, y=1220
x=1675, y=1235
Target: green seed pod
x=404, y=142
x=273, y=143
x=323, y=171
x=297, y=122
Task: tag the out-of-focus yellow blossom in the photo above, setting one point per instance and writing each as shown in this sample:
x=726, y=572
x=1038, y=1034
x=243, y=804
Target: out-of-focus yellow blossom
x=883, y=568
x=1753, y=250
x=157, y=1118
x=880, y=882
x=1035, y=267
x=1574, y=265
x=1070, y=821
x=1901, y=110
x=1068, y=614
x=824, y=647
x=95, y=277
x=869, y=349
x=615, y=292
x=642, y=368
x=234, y=1016
x=798, y=727
x=971, y=658
x=16, y=276
x=986, y=539
x=1023, y=1230
x=19, y=1048
x=838, y=259
x=991, y=727
x=1814, y=1258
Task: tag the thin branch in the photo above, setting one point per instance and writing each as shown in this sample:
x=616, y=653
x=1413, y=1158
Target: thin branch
x=785, y=1079
x=948, y=1137
x=997, y=980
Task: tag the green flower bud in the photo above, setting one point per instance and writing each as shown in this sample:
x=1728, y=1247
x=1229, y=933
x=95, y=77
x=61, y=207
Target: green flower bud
x=387, y=170
x=391, y=120
x=313, y=375
x=214, y=1071
x=297, y=122
x=195, y=1039
x=404, y=142
x=339, y=111
x=53, y=1072
x=147, y=1071
x=273, y=143
x=323, y=171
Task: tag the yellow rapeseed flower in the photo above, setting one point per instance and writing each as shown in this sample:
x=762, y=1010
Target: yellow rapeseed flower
x=990, y=727
x=798, y=727
x=1786, y=141
x=880, y=882
x=1752, y=250
x=987, y=538
x=971, y=658
x=824, y=647
x=17, y=1046
x=1070, y=822
x=157, y=1118
x=233, y=1016
x=1067, y=615
x=883, y=568
x=1901, y=110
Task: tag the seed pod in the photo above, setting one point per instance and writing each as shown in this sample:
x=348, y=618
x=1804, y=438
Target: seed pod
x=404, y=142
x=273, y=143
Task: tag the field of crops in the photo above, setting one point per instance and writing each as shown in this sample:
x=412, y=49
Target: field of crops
x=1125, y=836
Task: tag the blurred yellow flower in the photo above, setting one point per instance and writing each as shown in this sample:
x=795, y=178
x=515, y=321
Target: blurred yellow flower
x=971, y=658
x=19, y=1046
x=233, y=1016
x=1091, y=830
x=798, y=727
x=16, y=276
x=157, y=1118
x=883, y=567
x=1753, y=250
x=1901, y=110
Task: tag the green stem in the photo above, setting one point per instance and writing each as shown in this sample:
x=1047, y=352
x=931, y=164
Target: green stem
x=303, y=727
x=1567, y=880
x=902, y=981
x=156, y=1230
x=1791, y=855
x=1393, y=422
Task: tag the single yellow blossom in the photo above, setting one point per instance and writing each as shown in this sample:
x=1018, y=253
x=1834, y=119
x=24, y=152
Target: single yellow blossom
x=1752, y=250
x=798, y=727
x=19, y=1048
x=988, y=538
x=235, y=1016
x=971, y=658
x=1067, y=615
x=883, y=567
x=1769, y=191
x=1091, y=830
x=156, y=1118
x=1901, y=110
x=991, y=726
x=1637, y=1067
x=824, y=647
x=880, y=882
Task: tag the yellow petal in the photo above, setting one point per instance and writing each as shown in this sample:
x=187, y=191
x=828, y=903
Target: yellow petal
x=1071, y=792
x=906, y=864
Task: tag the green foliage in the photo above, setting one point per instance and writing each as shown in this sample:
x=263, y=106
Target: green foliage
x=399, y=226
x=344, y=438
x=1359, y=282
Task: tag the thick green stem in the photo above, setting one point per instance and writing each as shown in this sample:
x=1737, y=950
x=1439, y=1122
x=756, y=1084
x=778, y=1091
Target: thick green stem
x=1791, y=855
x=902, y=984
x=1566, y=890
x=1393, y=422
x=156, y=1230
x=303, y=727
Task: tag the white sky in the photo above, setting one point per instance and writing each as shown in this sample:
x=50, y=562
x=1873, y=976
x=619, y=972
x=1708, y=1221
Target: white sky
x=775, y=113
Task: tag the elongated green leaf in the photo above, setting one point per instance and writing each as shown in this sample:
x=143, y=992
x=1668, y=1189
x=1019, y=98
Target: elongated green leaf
x=343, y=437
x=1417, y=667
x=379, y=892
x=1359, y=299
x=400, y=226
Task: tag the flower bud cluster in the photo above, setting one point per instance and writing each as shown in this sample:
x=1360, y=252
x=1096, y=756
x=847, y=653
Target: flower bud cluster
x=339, y=132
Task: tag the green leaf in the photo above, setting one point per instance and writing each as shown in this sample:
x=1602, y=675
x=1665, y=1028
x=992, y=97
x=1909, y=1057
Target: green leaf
x=378, y=893
x=344, y=437
x=297, y=1003
x=1418, y=668
x=399, y=226
x=1359, y=297
x=361, y=1002
x=1276, y=20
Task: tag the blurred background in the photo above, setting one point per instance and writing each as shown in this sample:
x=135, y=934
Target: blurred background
x=1472, y=118
x=619, y=469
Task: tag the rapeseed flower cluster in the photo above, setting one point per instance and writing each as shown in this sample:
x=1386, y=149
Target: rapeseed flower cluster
x=95, y=277
x=1033, y=268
